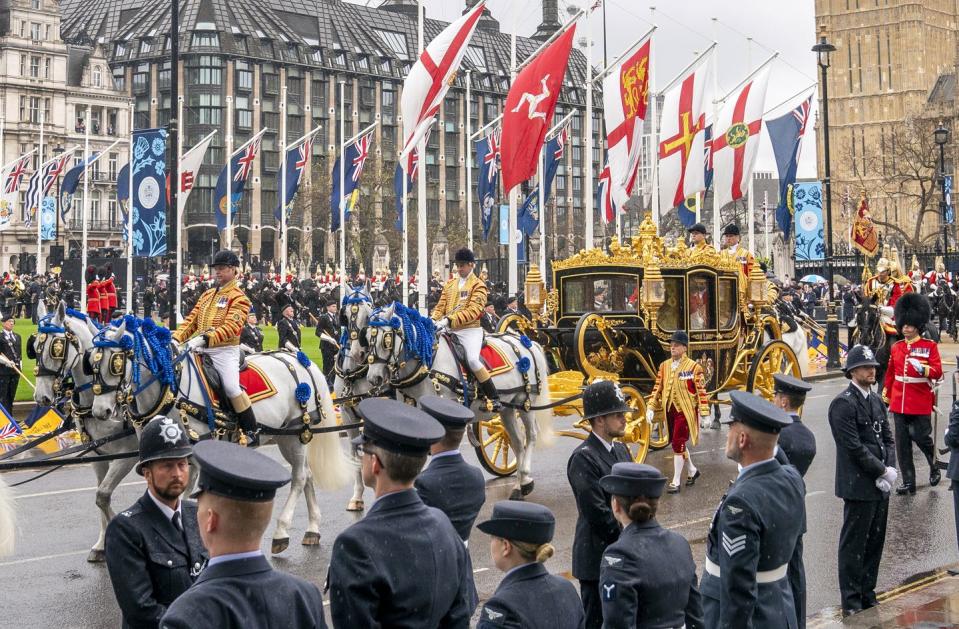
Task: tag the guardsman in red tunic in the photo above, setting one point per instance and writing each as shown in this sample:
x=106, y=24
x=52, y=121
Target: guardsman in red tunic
x=680, y=393
x=93, y=294
x=914, y=366
x=109, y=285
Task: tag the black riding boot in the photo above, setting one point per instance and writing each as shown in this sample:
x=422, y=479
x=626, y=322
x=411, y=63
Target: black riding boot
x=492, y=395
x=248, y=424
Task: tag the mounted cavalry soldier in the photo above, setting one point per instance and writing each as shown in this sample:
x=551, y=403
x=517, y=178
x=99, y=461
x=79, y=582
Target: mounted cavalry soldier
x=153, y=549
x=908, y=389
x=460, y=309
x=885, y=288
x=213, y=327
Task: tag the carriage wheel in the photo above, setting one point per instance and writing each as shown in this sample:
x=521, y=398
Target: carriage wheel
x=775, y=357
x=600, y=359
x=513, y=323
x=637, y=428
x=495, y=453
x=659, y=432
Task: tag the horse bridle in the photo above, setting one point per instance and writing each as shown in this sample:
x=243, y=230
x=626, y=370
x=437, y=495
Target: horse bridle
x=59, y=350
x=120, y=366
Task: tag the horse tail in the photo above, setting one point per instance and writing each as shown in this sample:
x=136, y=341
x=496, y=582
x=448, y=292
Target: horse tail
x=543, y=417
x=8, y=520
x=325, y=456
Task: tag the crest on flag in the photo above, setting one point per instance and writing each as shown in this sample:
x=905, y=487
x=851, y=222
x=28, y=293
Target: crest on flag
x=488, y=159
x=241, y=165
x=786, y=134
x=354, y=157
x=864, y=235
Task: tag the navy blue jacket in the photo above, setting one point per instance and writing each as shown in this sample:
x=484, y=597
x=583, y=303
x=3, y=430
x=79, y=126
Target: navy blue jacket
x=596, y=528
x=799, y=445
x=247, y=593
x=456, y=488
x=648, y=579
x=530, y=597
x=754, y=530
x=864, y=444
x=402, y=566
x=149, y=562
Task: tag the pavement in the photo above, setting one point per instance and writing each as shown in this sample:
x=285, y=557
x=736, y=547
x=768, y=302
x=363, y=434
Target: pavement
x=49, y=583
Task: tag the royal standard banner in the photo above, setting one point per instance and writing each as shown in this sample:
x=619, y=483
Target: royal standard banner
x=807, y=200
x=149, y=199
x=863, y=233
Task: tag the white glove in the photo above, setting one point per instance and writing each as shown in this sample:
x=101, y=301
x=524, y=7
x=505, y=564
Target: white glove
x=890, y=476
x=704, y=422
x=883, y=486
x=650, y=414
x=197, y=342
x=915, y=364
x=886, y=311
x=6, y=361
x=291, y=347
x=246, y=349
x=442, y=324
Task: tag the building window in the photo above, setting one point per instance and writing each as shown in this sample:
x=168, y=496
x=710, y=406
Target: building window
x=145, y=47
x=113, y=210
x=141, y=79
x=205, y=109
x=34, y=66
x=97, y=76
x=244, y=76
x=318, y=94
x=119, y=79
x=396, y=42
x=244, y=114
x=205, y=70
x=35, y=31
x=112, y=166
x=205, y=40
x=37, y=4
x=387, y=103
x=46, y=67
x=271, y=82
x=23, y=65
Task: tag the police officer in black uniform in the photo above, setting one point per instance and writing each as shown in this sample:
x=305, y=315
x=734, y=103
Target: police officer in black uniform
x=796, y=447
x=251, y=336
x=238, y=588
x=288, y=329
x=865, y=474
x=648, y=576
x=403, y=565
x=153, y=549
x=328, y=332
x=11, y=359
x=528, y=597
x=605, y=407
x=753, y=533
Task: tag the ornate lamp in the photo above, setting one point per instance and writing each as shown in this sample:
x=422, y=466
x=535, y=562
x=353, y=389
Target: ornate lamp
x=654, y=293
x=757, y=288
x=535, y=290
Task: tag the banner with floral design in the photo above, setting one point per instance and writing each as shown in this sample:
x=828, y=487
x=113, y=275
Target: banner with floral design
x=149, y=193
x=807, y=201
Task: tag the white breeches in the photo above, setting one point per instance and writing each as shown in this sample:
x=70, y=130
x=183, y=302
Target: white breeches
x=472, y=341
x=227, y=362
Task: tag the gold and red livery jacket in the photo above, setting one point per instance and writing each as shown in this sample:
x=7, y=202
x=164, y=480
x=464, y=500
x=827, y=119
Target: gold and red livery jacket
x=894, y=289
x=906, y=390
x=93, y=297
x=684, y=389
x=111, y=289
x=462, y=306
x=744, y=257
x=219, y=315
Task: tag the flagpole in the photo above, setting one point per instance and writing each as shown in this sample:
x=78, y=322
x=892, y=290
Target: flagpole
x=588, y=131
x=602, y=73
x=512, y=270
x=806, y=89
x=751, y=213
x=423, y=261
x=469, y=162
x=84, y=214
x=40, y=200
x=229, y=204
x=228, y=234
x=717, y=216
x=131, y=198
x=766, y=223
x=486, y=126
x=542, y=210
x=342, y=188
x=179, y=250
x=654, y=131
x=406, y=235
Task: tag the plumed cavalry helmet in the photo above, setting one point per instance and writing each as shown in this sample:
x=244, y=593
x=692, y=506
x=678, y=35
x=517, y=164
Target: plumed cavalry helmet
x=885, y=262
x=163, y=438
x=912, y=309
x=859, y=356
x=604, y=397
x=464, y=255
x=225, y=257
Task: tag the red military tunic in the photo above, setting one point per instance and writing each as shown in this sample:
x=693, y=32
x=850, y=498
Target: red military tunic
x=93, y=299
x=111, y=290
x=105, y=312
x=907, y=390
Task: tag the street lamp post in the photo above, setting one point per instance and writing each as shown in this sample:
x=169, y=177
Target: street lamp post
x=823, y=50
x=941, y=135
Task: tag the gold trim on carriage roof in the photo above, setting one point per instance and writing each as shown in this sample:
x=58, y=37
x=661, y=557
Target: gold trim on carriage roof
x=647, y=248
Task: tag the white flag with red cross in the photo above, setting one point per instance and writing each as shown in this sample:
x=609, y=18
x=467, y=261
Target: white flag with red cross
x=736, y=139
x=625, y=91
x=682, y=135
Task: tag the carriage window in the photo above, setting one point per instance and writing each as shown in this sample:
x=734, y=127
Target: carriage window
x=728, y=303
x=600, y=293
x=671, y=313
x=701, y=301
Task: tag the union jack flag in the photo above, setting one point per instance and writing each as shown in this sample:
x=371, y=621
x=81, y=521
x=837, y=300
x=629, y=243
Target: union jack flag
x=801, y=114
x=352, y=161
x=363, y=151
x=297, y=163
x=492, y=157
x=245, y=161
x=15, y=176
x=8, y=426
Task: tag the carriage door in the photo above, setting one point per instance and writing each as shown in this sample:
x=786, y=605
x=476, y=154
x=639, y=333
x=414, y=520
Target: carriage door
x=702, y=301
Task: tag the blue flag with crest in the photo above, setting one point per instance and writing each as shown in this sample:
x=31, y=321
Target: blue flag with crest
x=529, y=214
x=354, y=157
x=786, y=133
x=487, y=158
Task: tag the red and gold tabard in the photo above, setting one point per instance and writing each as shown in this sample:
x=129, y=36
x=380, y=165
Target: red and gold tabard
x=463, y=306
x=889, y=294
x=744, y=257
x=219, y=314
x=908, y=390
x=683, y=388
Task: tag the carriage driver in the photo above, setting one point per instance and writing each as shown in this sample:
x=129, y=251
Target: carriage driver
x=460, y=309
x=214, y=327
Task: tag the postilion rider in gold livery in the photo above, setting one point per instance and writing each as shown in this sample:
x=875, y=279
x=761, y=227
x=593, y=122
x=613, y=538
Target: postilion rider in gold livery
x=214, y=327
x=460, y=309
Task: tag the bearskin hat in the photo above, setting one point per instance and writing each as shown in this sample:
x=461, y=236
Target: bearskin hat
x=912, y=309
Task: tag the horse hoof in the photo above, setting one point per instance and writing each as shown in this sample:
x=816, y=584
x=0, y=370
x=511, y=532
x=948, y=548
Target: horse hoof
x=311, y=539
x=97, y=556
x=516, y=494
x=279, y=545
x=527, y=489
x=355, y=505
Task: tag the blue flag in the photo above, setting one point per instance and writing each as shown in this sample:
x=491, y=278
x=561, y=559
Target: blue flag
x=528, y=217
x=786, y=133
x=355, y=156
x=398, y=187
x=487, y=158
x=149, y=193
x=241, y=165
x=69, y=184
x=297, y=162
x=687, y=212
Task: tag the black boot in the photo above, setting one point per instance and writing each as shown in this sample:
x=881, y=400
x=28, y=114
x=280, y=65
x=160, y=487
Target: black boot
x=491, y=395
x=248, y=424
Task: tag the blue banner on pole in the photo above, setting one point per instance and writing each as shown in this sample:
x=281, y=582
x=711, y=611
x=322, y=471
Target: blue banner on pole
x=949, y=213
x=504, y=224
x=48, y=219
x=807, y=200
x=149, y=193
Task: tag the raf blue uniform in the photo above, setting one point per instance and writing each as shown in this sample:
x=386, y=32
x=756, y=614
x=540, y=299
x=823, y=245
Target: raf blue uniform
x=403, y=565
x=529, y=597
x=753, y=535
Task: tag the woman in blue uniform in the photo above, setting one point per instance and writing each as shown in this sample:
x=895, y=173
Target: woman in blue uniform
x=647, y=577
x=528, y=597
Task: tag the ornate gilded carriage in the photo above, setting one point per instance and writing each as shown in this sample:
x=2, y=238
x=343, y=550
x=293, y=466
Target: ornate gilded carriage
x=611, y=314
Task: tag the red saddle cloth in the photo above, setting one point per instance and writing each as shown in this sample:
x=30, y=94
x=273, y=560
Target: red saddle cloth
x=496, y=362
x=256, y=384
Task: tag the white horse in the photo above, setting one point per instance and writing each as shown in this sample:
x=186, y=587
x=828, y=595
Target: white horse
x=350, y=375
x=8, y=521
x=60, y=345
x=406, y=355
x=147, y=380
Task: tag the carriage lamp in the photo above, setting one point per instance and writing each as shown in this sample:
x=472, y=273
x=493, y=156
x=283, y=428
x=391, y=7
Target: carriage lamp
x=654, y=292
x=535, y=289
x=757, y=288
